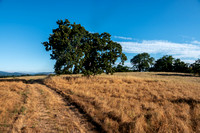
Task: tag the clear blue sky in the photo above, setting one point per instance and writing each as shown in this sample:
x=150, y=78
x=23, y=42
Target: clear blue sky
x=158, y=27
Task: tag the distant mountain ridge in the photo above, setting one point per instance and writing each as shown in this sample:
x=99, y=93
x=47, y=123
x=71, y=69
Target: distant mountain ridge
x=2, y=73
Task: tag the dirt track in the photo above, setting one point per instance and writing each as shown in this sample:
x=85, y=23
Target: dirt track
x=47, y=111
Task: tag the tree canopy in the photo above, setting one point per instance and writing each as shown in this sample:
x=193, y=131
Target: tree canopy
x=142, y=62
x=180, y=66
x=78, y=51
x=121, y=68
x=164, y=64
x=196, y=67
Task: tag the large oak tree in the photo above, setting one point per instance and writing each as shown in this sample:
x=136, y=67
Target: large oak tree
x=78, y=51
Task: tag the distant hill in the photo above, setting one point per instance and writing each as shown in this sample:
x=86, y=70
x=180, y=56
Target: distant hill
x=2, y=73
x=41, y=73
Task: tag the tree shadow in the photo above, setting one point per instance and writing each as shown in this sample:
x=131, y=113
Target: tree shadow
x=189, y=101
x=30, y=81
x=13, y=80
x=181, y=75
x=71, y=78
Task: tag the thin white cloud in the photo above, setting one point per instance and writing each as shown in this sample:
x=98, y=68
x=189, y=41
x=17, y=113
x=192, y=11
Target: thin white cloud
x=195, y=42
x=123, y=38
x=185, y=51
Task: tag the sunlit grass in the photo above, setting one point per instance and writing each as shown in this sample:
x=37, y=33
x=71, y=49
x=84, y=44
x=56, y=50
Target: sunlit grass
x=123, y=102
x=138, y=102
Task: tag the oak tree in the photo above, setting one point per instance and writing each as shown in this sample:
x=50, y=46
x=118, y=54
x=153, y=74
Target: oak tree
x=78, y=51
x=164, y=64
x=142, y=62
x=196, y=67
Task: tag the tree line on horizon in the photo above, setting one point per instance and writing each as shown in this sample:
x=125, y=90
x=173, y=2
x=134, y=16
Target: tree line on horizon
x=77, y=50
x=144, y=62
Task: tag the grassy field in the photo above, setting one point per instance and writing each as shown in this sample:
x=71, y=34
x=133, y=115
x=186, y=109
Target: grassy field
x=123, y=102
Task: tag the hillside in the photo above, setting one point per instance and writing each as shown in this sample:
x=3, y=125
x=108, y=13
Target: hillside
x=124, y=102
x=2, y=73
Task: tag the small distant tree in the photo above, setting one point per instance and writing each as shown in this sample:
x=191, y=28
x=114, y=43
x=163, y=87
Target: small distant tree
x=78, y=51
x=164, y=64
x=196, y=67
x=121, y=68
x=142, y=62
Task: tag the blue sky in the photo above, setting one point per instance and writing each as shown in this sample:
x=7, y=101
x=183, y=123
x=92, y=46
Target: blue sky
x=158, y=27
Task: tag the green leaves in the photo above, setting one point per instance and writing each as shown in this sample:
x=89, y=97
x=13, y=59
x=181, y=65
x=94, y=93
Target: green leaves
x=142, y=62
x=180, y=66
x=76, y=50
x=196, y=67
x=164, y=64
x=169, y=64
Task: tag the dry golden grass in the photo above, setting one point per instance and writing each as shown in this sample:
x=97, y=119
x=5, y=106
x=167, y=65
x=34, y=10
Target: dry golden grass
x=25, y=78
x=12, y=98
x=34, y=108
x=136, y=102
x=123, y=102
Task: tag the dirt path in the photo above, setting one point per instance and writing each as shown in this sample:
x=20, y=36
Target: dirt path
x=46, y=111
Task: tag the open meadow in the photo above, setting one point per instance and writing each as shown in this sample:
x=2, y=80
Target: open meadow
x=123, y=102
